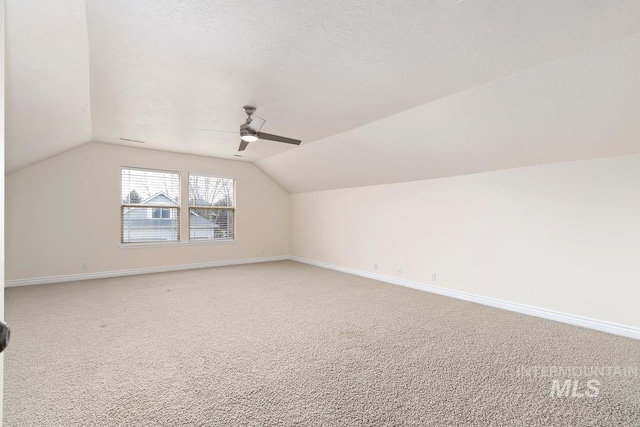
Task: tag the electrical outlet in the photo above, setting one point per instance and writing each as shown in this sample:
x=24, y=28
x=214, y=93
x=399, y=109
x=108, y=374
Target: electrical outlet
x=375, y=266
x=399, y=271
x=85, y=265
x=433, y=276
x=263, y=252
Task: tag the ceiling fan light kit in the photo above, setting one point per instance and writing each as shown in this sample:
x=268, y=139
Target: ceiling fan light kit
x=249, y=138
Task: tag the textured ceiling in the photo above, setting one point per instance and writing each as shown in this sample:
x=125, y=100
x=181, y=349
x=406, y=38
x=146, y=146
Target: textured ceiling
x=317, y=71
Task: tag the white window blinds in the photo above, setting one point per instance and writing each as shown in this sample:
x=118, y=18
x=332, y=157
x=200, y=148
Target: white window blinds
x=150, y=205
x=211, y=208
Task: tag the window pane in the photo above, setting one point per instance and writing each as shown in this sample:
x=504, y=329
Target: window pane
x=150, y=187
x=211, y=224
x=211, y=191
x=142, y=225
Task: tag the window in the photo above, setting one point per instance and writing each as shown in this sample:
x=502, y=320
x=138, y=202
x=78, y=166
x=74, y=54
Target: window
x=211, y=208
x=161, y=213
x=150, y=207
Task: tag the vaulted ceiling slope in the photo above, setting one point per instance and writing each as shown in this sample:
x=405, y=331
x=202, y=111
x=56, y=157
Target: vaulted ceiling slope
x=334, y=73
x=47, y=102
x=583, y=106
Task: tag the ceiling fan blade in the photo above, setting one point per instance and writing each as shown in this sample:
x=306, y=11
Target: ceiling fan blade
x=214, y=130
x=270, y=137
x=243, y=145
x=256, y=123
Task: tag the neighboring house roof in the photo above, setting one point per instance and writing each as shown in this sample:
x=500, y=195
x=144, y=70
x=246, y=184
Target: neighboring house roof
x=159, y=195
x=199, y=222
x=152, y=200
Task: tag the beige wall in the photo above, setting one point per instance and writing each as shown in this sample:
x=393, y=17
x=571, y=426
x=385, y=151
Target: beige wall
x=65, y=210
x=563, y=237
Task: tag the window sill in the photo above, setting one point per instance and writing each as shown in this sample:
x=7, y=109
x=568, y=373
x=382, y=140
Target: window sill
x=186, y=243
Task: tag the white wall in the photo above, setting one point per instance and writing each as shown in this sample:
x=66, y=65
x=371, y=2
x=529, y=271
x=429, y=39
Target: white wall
x=66, y=210
x=563, y=237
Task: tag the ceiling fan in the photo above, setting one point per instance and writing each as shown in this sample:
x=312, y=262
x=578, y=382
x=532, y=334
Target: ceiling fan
x=250, y=130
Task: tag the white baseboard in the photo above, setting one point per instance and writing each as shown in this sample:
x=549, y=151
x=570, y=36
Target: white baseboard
x=571, y=319
x=105, y=274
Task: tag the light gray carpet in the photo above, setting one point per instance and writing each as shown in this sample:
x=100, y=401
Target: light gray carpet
x=286, y=344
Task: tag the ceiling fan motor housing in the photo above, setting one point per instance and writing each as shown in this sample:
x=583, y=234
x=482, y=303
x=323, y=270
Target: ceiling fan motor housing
x=246, y=130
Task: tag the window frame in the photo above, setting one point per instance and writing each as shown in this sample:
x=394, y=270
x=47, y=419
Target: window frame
x=232, y=209
x=151, y=208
